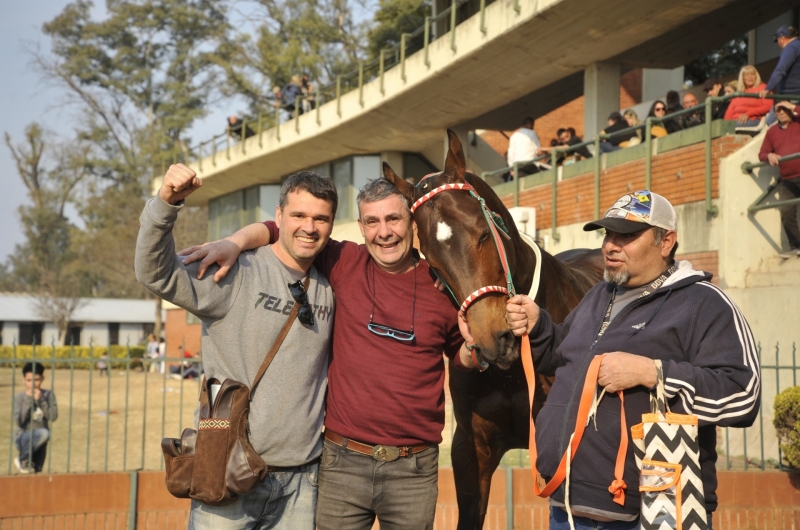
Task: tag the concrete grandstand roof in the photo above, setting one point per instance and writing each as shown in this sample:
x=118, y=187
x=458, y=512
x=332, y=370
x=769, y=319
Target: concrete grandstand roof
x=15, y=307
x=526, y=63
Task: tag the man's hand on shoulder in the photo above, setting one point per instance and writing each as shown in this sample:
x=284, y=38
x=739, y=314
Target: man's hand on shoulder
x=621, y=371
x=521, y=314
x=222, y=252
x=178, y=183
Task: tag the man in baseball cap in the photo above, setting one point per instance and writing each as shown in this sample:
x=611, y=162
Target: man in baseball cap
x=650, y=311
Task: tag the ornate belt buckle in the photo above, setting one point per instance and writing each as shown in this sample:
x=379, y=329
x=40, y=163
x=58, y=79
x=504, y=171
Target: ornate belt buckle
x=385, y=453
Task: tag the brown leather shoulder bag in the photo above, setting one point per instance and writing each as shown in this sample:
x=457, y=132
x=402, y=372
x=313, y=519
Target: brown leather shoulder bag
x=216, y=463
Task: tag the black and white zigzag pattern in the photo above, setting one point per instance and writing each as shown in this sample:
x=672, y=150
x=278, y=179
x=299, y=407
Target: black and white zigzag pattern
x=658, y=511
x=677, y=444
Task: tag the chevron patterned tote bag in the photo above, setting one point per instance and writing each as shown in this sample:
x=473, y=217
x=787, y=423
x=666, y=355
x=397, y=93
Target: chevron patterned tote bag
x=668, y=454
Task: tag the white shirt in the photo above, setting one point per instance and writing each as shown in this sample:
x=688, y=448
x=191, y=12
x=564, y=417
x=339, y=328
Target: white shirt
x=522, y=146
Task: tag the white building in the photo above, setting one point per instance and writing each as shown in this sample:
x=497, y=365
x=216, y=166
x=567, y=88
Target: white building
x=101, y=321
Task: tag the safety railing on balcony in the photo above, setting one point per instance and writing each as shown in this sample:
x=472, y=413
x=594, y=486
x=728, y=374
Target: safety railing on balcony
x=706, y=109
x=747, y=169
x=418, y=41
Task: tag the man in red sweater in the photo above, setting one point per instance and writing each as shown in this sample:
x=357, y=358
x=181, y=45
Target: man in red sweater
x=781, y=140
x=385, y=404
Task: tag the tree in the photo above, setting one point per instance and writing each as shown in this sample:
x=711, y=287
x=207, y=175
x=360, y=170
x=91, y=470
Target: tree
x=320, y=38
x=725, y=60
x=140, y=77
x=393, y=18
x=45, y=264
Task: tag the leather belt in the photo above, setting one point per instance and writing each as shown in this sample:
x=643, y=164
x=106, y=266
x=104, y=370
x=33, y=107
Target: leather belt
x=381, y=453
x=279, y=469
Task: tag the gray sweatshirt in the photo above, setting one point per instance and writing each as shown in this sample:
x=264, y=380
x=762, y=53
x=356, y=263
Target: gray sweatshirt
x=241, y=316
x=24, y=406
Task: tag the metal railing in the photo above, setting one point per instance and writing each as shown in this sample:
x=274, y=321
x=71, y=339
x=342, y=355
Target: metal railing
x=418, y=41
x=102, y=425
x=747, y=169
x=706, y=108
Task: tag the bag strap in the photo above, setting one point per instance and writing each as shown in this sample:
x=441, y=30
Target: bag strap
x=658, y=395
x=278, y=341
x=618, y=486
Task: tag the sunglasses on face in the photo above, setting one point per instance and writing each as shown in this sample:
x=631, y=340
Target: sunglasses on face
x=659, y=109
x=305, y=314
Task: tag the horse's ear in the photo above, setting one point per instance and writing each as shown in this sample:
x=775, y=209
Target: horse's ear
x=399, y=182
x=455, y=165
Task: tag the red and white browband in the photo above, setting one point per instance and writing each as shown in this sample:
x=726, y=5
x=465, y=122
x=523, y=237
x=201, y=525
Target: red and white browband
x=480, y=292
x=461, y=186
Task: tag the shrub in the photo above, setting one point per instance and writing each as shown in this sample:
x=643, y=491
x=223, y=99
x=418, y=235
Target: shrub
x=49, y=354
x=787, y=423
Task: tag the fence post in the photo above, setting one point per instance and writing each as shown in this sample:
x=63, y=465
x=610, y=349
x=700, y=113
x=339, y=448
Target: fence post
x=243, y=136
x=380, y=67
x=260, y=130
x=403, y=55
x=516, y=178
x=597, y=177
x=71, y=392
x=517, y=7
x=710, y=208
x=132, y=502
x=427, y=40
x=361, y=82
x=339, y=95
x=648, y=146
x=228, y=143
x=554, y=196
x=214, y=151
x=483, y=17
x=453, y=7
x=509, y=497
x=297, y=114
x=13, y=392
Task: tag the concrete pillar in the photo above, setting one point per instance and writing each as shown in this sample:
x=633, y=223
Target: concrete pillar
x=656, y=82
x=601, y=96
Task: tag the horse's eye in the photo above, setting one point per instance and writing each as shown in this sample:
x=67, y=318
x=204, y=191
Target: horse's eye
x=484, y=238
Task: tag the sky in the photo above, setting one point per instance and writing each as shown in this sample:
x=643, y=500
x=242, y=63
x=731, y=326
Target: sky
x=26, y=98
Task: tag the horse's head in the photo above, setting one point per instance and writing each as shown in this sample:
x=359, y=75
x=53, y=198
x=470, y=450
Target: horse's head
x=459, y=243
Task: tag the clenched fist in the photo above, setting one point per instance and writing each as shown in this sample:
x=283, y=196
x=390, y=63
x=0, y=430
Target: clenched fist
x=179, y=183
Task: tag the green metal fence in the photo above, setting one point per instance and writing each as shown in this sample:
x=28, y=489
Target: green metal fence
x=115, y=422
x=109, y=420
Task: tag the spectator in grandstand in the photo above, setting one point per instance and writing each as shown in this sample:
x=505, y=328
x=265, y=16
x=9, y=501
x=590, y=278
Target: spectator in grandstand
x=731, y=87
x=780, y=141
x=309, y=99
x=658, y=110
x=615, y=124
x=632, y=119
x=291, y=96
x=785, y=79
x=748, y=111
x=34, y=409
x=713, y=89
x=524, y=146
x=695, y=118
x=674, y=105
x=235, y=128
x=567, y=137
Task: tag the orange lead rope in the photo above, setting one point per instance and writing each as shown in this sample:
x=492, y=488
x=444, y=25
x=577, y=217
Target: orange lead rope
x=618, y=486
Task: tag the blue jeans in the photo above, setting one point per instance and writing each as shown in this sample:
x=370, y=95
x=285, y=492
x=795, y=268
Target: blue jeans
x=286, y=500
x=559, y=521
x=354, y=489
x=23, y=442
x=607, y=147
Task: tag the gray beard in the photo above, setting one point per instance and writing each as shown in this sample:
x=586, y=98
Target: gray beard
x=619, y=278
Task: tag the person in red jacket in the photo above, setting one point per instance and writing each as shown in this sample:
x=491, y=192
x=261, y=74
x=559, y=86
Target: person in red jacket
x=781, y=140
x=748, y=111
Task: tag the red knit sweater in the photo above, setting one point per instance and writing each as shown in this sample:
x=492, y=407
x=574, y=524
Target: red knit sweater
x=380, y=390
x=783, y=142
x=755, y=108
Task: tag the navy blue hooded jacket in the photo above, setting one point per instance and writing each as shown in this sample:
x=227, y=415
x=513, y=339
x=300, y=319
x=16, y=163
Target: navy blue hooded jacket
x=710, y=370
x=786, y=76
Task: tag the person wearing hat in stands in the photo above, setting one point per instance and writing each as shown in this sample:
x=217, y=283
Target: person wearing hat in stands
x=615, y=123
x=649, y=307
x=785, y=78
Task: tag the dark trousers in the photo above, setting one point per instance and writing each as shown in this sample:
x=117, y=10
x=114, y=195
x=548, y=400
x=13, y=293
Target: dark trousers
x=354, y=489
x=788, y=190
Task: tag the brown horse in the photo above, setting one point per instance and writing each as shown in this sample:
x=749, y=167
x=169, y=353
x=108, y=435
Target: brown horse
x=491, y=407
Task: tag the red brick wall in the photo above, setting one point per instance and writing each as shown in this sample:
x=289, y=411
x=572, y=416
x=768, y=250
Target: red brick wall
x=178, y=332
x=679, y=175
x=571, y=114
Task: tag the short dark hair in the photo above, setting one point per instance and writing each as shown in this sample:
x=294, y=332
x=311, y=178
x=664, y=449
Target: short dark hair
x=658, y=237
x=315, y=184
x=377, y=190
x=528, y=122
x=711, y=83
x=572, y=131
x=560, y=131
x=36, y=368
